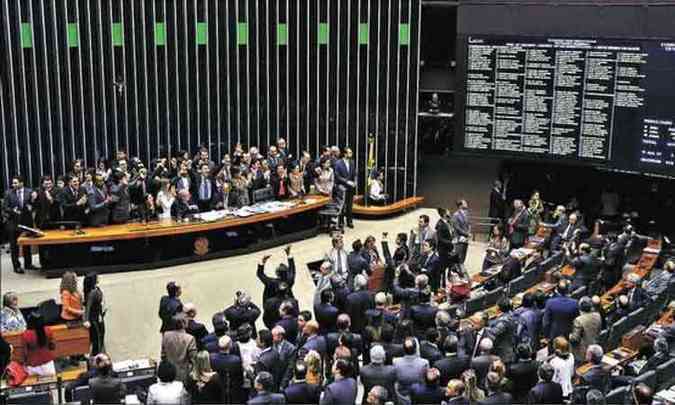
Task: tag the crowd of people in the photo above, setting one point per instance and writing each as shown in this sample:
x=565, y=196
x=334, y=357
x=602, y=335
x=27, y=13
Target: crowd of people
x=391, y=319
x=125, y=189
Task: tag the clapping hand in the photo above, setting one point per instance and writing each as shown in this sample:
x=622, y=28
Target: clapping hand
x=266, y=258
x=287, y=249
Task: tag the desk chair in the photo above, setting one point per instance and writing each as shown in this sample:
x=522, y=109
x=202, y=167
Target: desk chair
x=39, y=398
x=665, y=372
x=648, y=378
x=617, y=396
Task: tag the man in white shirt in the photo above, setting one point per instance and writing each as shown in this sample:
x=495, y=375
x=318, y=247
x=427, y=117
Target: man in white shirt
x=338, y=256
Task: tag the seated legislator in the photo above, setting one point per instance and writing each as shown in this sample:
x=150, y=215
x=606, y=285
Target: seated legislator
x=11, y=318
x=183, y=206
x=498, y=248
x=376, y=193
x=98, y=201
x=105, y=387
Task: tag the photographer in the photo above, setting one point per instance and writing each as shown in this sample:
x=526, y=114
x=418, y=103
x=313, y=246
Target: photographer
x=242, y=312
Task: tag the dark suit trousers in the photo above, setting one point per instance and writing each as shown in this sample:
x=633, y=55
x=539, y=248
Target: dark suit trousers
x=460, y=250
x=347, y=209
x=13, y=234
x=204, y=205
x=96, y=336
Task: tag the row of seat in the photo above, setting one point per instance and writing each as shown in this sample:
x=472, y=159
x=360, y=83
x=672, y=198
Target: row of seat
x=661, y=377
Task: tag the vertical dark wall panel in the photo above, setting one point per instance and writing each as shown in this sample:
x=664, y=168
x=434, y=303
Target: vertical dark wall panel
x=85, y=78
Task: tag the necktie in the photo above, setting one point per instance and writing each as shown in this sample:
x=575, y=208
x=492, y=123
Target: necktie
x=282, y=187
x=202, y=194
x=339, y=261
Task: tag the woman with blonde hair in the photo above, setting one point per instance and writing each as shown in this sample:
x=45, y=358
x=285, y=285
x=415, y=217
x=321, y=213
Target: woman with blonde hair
x=472, y=393
x=71, y=299
x=563, y=365
x=313, y=361
x=204, y=386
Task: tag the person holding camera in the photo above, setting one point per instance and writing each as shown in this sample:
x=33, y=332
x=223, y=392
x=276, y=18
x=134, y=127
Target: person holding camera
x=284, y=274
x=242, y=312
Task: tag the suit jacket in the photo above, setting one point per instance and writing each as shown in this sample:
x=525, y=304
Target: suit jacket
x=212, y=192
x=121, y=209
x=519, y=225
x=531, y=319
x=12, y=202
x=316, y=343
x=272, y=284
x=430, y=352
x=332, y=342
x=326, y=316
x=431, y=265
x=238, y=315
x=500, y=398
x=524, y=374
x=481, y=364
x=179, y=348
x=198, y=330
x=269, y=361
x=637, y=298
x=377, y=374
x=343, y=174
x=357, y=304
x=460, y=224
x=443, y=238
x=451, y=366
x=340, y=392
x=287, y=353
x=424, y=317
x=47, y=211
x=68, y=200
x=410, y=370
x=229, y=366
x=276, y=183
x=183, y=183
x=392, y=350
x=559, y=315
x=290, y=325
x=264, y=398
x=496, y=204
x=587, y=268
x=585, y=331
x=596, y=378
x=502, y=330
x=426, y=394
x=107, y=390
x=545, y=393
x=99, y=214
x=302, y=393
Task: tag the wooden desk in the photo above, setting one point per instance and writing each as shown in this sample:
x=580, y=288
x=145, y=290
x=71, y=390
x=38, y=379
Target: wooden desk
x=68, y=341
x=620, y=356
x=384, y=210
x=156, y=244
x=38, y=384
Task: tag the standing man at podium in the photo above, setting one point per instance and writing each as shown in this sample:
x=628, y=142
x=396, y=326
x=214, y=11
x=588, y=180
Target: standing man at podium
x=18, y=210
x=345, y=176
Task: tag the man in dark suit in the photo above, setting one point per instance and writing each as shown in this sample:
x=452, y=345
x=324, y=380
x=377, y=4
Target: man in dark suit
x=196, y=329
x=428, y=392
x=377, y=373
x=518, y=225
x=105, y=388
x=586, y=266
x=523, y=372
x=18, y=210
x=356, y=262
x=443, y=242
x=559, y=313
x=597, y=376
x=184, y=180
x=47, y=208
x=637, y=296
x=170, y=305
x=391, y=348
x=73, y=200
x=502, y=331
x=495, y=395
x=299, y=392
x=205, y=189
x=284, y=274
x=358, y=302
x=279, y=182
x=119, y=194
x=344, y=388
x=345, y=176
x=313, y=340
x=99, y=200
x=430, y=264
x=268, y=360
x=529, y=320
x=481, y=363
x=229, y=367
x=497, y=200
x=566, y=232
x=287, y=353
x=451, y=365
x=423, y=315
x=546, y=391
x=288, y=321
x=343, y=325
x=265, y=388
x=461, y=229
x=220, y=329
x=242, y=312
x=326, y=313
x=429, y=346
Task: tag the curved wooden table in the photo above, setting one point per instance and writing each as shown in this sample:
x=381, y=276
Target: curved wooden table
x=135, y=246
x=384, y=210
